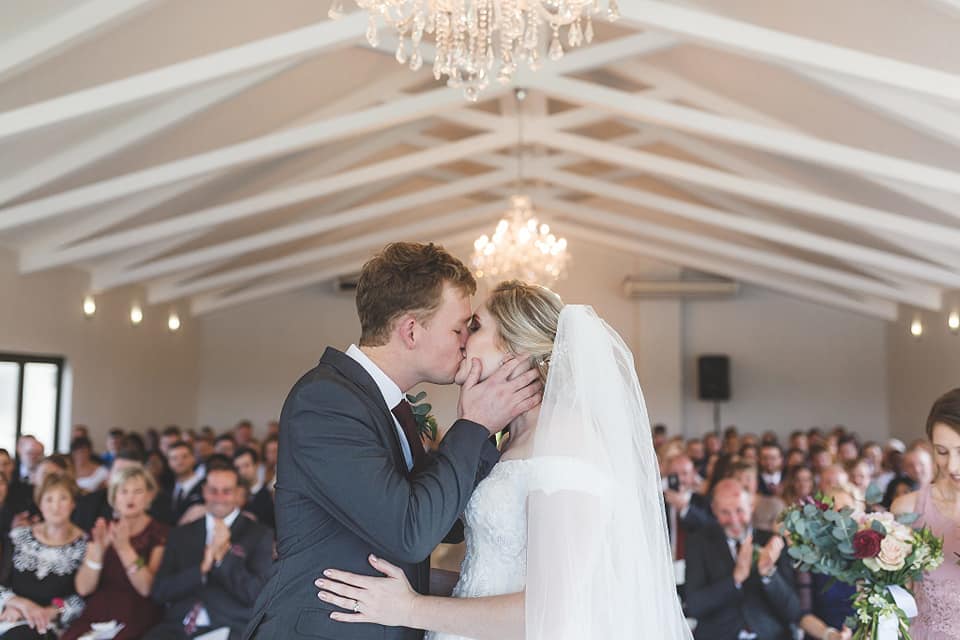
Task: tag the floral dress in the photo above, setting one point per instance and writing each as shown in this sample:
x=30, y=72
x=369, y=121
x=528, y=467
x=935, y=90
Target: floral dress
x=43, y=574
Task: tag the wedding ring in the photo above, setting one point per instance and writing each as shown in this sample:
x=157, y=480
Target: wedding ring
x=356, y=606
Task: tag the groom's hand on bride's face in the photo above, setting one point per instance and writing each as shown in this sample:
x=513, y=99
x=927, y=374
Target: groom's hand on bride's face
x=514, y=388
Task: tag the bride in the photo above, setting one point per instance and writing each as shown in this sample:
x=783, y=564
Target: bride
x=566, y=538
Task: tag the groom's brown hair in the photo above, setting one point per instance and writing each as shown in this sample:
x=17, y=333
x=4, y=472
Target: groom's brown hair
x=405, y=277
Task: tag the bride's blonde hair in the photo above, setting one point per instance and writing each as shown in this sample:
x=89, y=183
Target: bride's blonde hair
x=527, y=317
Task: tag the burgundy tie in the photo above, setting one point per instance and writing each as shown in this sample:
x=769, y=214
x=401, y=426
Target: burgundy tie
x=408, y=423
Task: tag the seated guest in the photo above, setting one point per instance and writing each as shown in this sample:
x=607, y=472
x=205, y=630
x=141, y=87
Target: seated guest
x=795, y=457
x=156, y=464
x=859, y=475
x=6, y=514
x=171, y=435
x=771, y=470
x=820, y=459
x=918, y=466
x=749, y=453
x=123, y=557
x=114, y=444
x=55, y=464
x=243, y=435
x=225, y=445
x=202, y=450
x=799, y=484
x=260, y=500
x=730, y=595
x=96, y=505
x=798, y=440
x=39, y=589
x=698, y=454
x=213, y=569
x=848, y=449
x=91, y=475
x=899, y=486
x=187, y=490
x=711, y=444
x=832, y=477
x=270, y=448
x=30, y=453
x=892, y=465
x=7, y=466
x=825, y=602
x=766, y=509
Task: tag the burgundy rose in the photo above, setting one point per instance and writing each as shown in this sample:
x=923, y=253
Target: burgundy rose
x=866, y=544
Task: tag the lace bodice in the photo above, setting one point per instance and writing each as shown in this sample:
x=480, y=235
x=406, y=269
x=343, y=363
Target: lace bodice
x=496, y=535
x=938, y=595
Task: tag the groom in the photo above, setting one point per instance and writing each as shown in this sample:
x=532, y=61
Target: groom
x=352, y=476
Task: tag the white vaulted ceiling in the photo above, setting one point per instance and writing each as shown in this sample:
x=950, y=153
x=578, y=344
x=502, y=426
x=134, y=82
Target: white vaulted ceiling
x=228, y=150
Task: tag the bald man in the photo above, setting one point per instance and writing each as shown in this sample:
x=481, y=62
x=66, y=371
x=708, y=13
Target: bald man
x=732, y=595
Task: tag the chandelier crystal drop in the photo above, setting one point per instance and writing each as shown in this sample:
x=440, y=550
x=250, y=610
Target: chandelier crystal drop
x=522, y=247
x=477, y=39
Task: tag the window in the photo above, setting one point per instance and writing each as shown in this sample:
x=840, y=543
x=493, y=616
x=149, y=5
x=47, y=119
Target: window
x=30, y=399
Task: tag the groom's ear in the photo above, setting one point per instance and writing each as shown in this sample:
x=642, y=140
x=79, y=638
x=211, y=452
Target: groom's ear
x=406, y=330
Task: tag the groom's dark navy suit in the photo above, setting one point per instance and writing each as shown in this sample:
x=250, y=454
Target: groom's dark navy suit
x=343, y=492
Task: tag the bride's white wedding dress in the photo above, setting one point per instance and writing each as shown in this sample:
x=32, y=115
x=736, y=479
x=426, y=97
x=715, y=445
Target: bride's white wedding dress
x=495, y=528
x=580, y=526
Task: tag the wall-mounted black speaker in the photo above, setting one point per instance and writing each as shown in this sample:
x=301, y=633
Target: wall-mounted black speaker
x=713, y=374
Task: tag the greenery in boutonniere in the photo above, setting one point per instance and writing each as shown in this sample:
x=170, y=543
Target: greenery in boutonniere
x=426, y=421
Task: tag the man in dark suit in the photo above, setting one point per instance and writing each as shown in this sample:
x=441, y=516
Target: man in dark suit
x=770, y=476
x=736, y=590
x=214, y=568
x=188, y=487
x=353, y=478
x=260, y=502
x=687, y=511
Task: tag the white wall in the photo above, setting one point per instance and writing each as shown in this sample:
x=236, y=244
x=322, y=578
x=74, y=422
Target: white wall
x=793, y=364
x=122, y=375
x=920, y=370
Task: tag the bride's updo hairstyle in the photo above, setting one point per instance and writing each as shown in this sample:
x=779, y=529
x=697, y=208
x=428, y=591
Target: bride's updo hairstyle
x=527, y=317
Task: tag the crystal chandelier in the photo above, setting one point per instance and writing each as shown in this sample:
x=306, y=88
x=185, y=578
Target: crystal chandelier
x=473, y=38
x=521, y=248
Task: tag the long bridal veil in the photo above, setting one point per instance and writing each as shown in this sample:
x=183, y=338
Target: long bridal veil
x=598, y=557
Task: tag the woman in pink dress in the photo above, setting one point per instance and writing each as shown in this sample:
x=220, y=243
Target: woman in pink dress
x=938, y=595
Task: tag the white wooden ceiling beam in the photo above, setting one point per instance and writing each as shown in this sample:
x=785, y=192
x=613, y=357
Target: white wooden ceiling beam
x=796, y=288
x=275, y=144
x=79, y=22
x=771, y=45
x=130, y=132
x=586, y=214
x=323, y=36
x=299, y=230
x=801, y=201
x=773, y=140
x=284, y=197
x=694, y=94
x=365, y=242
x=790, y=236
x=211, y=302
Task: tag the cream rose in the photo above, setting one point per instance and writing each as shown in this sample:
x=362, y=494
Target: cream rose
x=893, y=555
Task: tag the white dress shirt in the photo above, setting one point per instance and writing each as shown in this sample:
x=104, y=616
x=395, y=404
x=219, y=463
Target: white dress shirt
x=392, y=395
x=203, y=616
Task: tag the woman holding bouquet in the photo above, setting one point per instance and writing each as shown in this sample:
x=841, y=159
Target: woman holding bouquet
x=938, y=504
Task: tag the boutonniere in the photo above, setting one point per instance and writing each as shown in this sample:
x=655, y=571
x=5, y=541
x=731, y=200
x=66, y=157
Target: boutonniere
x=426, y=421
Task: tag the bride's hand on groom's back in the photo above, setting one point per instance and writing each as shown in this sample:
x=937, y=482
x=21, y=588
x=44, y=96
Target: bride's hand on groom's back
x=511, y=390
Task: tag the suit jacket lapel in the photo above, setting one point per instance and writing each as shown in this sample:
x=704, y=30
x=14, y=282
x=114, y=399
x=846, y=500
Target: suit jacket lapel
x=352, y=371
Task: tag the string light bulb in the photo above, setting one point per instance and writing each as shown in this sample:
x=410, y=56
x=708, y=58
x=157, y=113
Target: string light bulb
x=89, y=306
x=173, y=322
x=916, y=328
x=953, y=321
x=136, y=314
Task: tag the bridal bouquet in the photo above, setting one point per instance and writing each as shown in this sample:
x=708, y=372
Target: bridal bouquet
x=876, y=552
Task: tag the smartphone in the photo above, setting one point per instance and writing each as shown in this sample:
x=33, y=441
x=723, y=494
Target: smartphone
x=673, y=482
